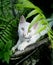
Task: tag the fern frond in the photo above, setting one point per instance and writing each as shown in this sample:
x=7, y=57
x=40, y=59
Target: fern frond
x=8, y=26
x=7, y=38
x=36, y=11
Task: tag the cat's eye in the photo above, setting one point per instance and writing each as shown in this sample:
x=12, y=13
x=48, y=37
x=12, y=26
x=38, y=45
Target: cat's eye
x=22, y=29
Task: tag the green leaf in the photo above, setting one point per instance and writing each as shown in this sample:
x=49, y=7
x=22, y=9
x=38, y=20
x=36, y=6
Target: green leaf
x=3, y=39
x=8, y=45
x=1, y=54
x=1, y=18
x=35, y=19
x=51, y=36
x=41, y=28
x=7, y=27
x=52, y=44
x=14, y=23
x=8, y=32
x=6, y=56
x=33, y=12
x=4, y=36
x=26, y=4
x=43, y=21
x=1, y=44
x=51, y=32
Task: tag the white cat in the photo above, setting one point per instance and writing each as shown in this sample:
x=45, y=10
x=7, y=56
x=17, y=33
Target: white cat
x=27, y=38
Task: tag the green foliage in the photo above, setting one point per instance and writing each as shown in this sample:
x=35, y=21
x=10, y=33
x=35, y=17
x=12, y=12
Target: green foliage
x=5, y=51
x=8, y=29
x=50, y=35
x=8, y=23
x=7, y=39
x=33, y=12
x=36, y=11
x=25, y=4
x=39, y=17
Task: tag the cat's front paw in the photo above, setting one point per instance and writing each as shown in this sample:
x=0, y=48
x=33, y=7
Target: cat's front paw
x=13, y=49
x=22, y=46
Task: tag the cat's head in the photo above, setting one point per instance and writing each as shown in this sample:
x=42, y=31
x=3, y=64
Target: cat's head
x=23, y=28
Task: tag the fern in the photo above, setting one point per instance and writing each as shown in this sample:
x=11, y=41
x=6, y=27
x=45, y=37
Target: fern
x=8, y=26
x=8, y=23
x=39, y=16
x=6, y=40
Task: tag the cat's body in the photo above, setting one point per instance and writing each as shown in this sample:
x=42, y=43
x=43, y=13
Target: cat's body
x=27, y=38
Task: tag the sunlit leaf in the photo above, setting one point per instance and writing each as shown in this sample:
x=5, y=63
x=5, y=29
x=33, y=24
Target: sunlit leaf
x=41, y=28
x=35, y=19
x=33, y=12
x=26, y=4
x=52, y=44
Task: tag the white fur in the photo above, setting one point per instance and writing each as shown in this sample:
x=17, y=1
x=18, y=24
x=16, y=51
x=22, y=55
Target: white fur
x=27, y=38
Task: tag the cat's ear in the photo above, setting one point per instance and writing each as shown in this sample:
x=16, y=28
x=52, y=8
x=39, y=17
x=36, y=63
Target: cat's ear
x=35, y=25
x=22, y=19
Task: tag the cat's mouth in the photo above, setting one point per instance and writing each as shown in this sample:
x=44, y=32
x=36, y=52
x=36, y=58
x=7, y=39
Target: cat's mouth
x=28, y=37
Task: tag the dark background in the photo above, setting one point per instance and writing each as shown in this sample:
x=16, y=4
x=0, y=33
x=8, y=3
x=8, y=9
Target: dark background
x=45, y=5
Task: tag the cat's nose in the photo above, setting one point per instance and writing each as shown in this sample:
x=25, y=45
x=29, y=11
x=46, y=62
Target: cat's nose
x=24, y=35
